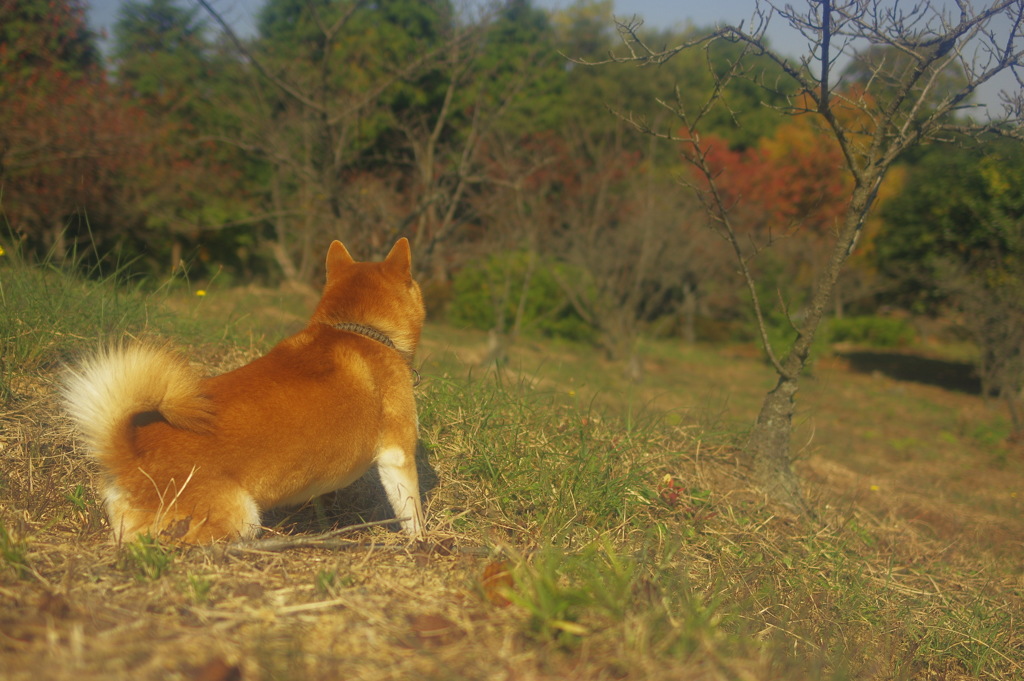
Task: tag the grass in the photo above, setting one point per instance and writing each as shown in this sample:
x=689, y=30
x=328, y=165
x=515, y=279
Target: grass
x=48, y=315
x=580, y=527
x=147, y=559
x=13, y=552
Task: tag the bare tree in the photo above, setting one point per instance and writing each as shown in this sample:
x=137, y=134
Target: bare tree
x=313, y=115
x=635, y=270
x=896, y=106
x=518, y=172
x=445, y=145
x=993, y=309
x=567, y=207
x=625, y=235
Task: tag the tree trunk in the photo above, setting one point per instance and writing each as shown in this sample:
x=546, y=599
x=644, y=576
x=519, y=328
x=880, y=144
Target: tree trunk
x=1014, y=398
x=635, y=367
x=689, y=314
x=283, y=261
x=768, y=445
x=282, y=228
x=524, y=294
x=59, y=242
x=176, y=249
x=837, y=302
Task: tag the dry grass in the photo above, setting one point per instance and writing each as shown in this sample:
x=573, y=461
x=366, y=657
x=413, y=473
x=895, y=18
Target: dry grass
x=556, y=474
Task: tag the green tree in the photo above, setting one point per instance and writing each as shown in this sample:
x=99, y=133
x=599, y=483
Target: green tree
x=160, y=52
x=39, y=34
x=955, y=237
x=745, y=111
x=190, y=194
x=960, y=201
x=323, y=79
x=470, y=94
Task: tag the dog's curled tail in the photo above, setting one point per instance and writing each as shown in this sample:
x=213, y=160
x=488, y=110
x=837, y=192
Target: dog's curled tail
x=107, y=391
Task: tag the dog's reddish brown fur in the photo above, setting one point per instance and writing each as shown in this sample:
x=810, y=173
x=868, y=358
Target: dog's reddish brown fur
x=202, y=458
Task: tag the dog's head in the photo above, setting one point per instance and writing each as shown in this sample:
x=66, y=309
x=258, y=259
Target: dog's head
x=381, y=295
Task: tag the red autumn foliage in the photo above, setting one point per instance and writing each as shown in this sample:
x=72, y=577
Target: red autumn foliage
x=67, y=142
x=794, y=179
x=66, y=137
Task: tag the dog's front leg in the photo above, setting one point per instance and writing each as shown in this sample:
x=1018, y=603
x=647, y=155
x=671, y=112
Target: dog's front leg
x=397, y=469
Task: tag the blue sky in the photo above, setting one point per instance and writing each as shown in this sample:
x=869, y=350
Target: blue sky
x=656, y=13
x=659, y=13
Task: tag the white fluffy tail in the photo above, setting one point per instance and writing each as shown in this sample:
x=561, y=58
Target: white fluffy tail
x=106, y=391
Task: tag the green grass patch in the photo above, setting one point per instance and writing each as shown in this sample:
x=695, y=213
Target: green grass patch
x=547, y=466
x=49, y=314
x=13, y=552
x=871, y=331
x=146, y=558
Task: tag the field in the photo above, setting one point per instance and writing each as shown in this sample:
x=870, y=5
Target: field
x=581, y=527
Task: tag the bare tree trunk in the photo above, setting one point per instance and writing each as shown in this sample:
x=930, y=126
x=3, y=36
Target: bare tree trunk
x=524, y=294
x=281, y=228
x=1015, y=403
x=175, y=255
x=497, y=335
x=769, y=443
x=59, y=241
x=768, y=446
x=689, y=314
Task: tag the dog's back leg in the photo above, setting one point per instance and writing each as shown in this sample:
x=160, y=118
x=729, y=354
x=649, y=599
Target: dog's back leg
x=198, y=513
x=232, y=514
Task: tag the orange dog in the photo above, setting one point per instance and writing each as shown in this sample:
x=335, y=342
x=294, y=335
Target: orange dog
x=201, y=458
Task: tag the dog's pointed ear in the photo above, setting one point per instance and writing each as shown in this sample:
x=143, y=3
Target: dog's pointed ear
x=400, y=257
x=337, y=257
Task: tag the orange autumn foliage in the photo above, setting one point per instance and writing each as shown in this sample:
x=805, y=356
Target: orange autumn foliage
x=793, y=179
x=798, y=177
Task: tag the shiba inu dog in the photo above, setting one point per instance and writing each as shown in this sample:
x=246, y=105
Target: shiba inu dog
x=201, y=458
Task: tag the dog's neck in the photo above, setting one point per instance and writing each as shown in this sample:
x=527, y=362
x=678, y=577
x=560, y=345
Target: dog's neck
x=374, y=334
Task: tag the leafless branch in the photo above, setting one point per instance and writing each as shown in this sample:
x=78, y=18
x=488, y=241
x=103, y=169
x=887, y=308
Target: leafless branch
x=258, y=64
x=716, y=206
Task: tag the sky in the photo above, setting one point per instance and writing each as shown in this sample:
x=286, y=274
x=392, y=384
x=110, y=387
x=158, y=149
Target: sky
x=659, y=13
x=102, y=15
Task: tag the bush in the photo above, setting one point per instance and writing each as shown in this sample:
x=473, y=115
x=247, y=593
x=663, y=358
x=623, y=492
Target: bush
x=879, y=332
x=481, y=289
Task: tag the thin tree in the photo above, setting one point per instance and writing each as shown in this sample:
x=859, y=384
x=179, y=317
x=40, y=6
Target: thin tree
x=895, y=107
x=323, y=107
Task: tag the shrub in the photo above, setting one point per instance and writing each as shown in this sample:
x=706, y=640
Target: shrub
x=879, y=332
x=480, y=290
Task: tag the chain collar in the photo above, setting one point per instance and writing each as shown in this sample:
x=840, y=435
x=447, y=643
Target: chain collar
x=382, y=338
x=368, y=331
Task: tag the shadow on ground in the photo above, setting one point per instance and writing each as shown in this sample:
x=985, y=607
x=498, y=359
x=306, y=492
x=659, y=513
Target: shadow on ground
x=363, y=501
x=959, y=376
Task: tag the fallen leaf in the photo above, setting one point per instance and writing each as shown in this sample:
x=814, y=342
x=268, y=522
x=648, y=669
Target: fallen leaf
x=434, y=630
x=497, y=582
x=177, y=529
x=218, y=670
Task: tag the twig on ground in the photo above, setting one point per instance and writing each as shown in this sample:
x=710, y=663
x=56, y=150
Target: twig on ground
x=333, y=540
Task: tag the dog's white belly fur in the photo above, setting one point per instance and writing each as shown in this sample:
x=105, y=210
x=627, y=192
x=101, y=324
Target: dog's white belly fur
x=317, y=488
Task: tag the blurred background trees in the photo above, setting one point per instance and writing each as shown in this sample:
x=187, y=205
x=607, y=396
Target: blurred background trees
x=532, y=209
x=953, y=241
